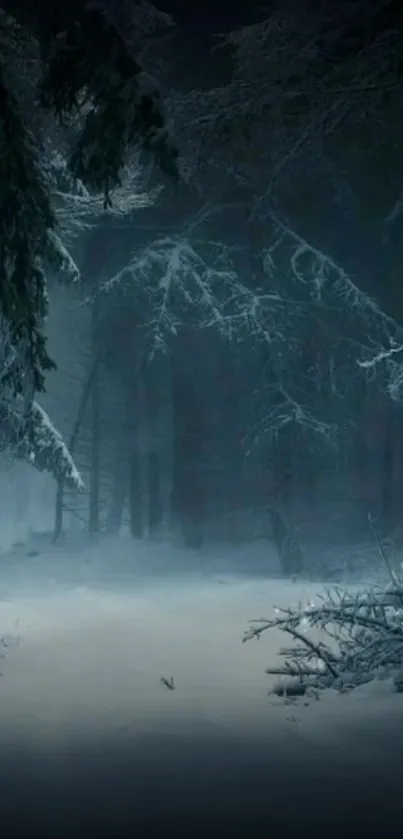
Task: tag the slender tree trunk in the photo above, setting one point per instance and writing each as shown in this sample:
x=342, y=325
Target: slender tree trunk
x=282, y=468
x=58, y=526
x=388, y=503
x=288, y=548
x=116, y=509
x=160, y=407
x=158, y=444
x=135, y=497
x=138, y=501
x=93, y=523
x=188, y=488
x=362, y=455
x=154, y=493
x=119, y=494
x=166, y=456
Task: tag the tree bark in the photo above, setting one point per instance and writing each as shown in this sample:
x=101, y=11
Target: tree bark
x=93, y=522
x=138, y=480
x=135, y=499
x=58, y=525
x=154, y=493
x=388, y=499
x=119, y=494
x=188, y=499
x=288, y=548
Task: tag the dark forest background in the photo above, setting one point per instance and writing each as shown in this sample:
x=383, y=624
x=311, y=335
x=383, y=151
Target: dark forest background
x=232, y=346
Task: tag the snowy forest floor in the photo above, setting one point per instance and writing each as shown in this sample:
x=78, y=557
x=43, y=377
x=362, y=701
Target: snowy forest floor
x=91, y=737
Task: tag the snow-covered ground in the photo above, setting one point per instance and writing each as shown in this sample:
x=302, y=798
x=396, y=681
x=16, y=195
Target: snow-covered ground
x=81, y=697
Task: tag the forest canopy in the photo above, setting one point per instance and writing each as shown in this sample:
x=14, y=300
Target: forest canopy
x=230, y=351
x=280, y=250
x=68, y=82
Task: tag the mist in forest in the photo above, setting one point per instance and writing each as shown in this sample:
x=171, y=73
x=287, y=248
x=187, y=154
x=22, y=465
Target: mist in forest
x=129, y=701
x=201, y=375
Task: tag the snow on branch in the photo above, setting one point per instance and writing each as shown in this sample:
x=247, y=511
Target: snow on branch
x=288, y=410
x=292, y=58
x=35, y=439
x=341, y=641
x=47, y=451
x=395, y=381
x=77, y=207
x=331, y=287
x=326, y=287
x=296, y=79
x=60, y=257
x=316, y=269
x=385, y=358
x=181, y=282
x=382, y=356
x=183, y=279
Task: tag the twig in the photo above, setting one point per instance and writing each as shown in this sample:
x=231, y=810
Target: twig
x=315, y=649
x=168, y=683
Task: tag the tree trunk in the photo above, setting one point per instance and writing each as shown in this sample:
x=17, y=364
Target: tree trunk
x=139, y=461
x=135, y=499
x=388, y=500
x=158, y=467
x=58, y=526
x=188, y=490
x=93, y=523
x=154, y=493
x=288, y=548
x=282, y=467
x=119, y=493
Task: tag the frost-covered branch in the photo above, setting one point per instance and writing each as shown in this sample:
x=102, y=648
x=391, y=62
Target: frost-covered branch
x=34, y=438
x=298, y=73
x=334, y=297
x=26, y=430
x=301, y=75
x=77, y=207
x=341, y=641
x=383, y=360
x=181, y=282
x=319, y=272
x=288, y=410
x=184, y=279
x=74, y=74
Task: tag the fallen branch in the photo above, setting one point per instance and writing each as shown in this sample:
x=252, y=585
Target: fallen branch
x=363, y=640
